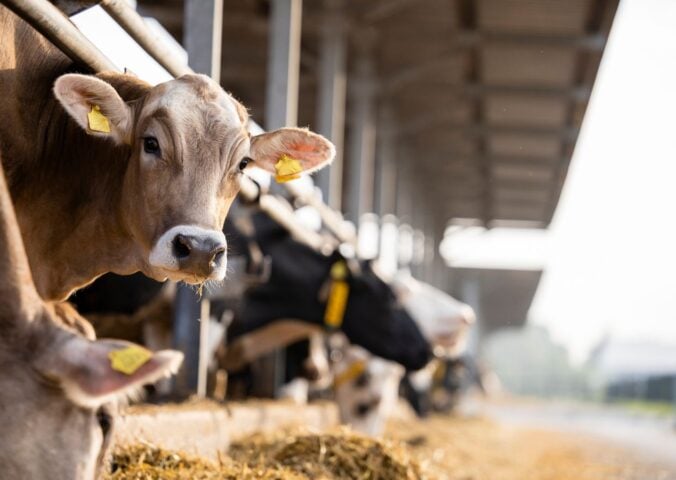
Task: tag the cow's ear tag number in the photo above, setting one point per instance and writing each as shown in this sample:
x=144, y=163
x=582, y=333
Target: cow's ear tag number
x=287, y=168
x=129, y=359
x=97, y=121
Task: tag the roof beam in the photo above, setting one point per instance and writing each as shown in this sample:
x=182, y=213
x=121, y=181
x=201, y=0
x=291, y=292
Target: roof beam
x=460, y=162
x=464, y=188
x=522, y=197
x=520, y=213
x=468, y=38
x=444, y=118
x=384, y=9
x=414, y=74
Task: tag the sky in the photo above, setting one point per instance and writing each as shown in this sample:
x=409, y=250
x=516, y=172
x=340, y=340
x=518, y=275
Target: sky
x=609, y=255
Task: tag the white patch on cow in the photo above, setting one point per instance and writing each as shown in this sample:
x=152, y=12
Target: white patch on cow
x=297, y=391
x=443, y=320
x=162, y=255
x=422, y=379
x=180, y=100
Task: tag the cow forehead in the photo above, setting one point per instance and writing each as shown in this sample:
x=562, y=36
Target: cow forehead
x=192, y=99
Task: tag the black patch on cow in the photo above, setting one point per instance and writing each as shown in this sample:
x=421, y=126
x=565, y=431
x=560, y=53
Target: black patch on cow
x=373, y=318
x=116, y=294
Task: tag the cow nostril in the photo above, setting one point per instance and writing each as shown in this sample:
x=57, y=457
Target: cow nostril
x=181, y=246
x=217, y=254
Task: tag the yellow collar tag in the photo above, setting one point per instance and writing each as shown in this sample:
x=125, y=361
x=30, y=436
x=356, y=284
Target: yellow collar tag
x=129, y=359
x=338, y=296
x=98, y=122
x=350, y=373
x=339, y=270
x=287, y=168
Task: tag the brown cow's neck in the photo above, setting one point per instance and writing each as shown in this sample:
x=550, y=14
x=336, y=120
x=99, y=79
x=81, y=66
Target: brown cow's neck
x=66, y=185
x=69, y=208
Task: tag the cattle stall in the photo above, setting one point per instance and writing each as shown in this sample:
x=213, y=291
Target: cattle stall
x=360, y=312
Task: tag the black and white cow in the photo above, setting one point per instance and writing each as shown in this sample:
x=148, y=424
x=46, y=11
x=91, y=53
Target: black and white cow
x=298, y=288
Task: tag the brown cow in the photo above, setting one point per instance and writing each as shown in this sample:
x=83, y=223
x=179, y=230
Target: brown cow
x=109, y=174
x=56, y=387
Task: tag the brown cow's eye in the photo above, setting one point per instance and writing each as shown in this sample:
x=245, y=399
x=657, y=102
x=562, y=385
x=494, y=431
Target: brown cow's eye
x=244, y=162
x=151, y=145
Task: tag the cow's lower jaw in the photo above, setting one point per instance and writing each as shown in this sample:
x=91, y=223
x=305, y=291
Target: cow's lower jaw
x=190, y=254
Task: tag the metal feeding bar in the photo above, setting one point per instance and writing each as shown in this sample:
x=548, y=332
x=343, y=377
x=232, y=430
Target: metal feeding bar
x=332, y=219
x=58, y=29
x=132, y=23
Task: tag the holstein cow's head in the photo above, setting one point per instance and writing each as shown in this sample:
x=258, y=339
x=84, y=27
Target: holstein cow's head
x=188, y=144
x=365, y=388
x=298, y=288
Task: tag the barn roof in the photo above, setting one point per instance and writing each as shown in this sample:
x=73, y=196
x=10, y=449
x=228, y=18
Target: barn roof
x=501, y=298
x=488, y=96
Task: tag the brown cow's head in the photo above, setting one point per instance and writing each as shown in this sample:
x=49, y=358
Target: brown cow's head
x=189, y=145
x=58, y=396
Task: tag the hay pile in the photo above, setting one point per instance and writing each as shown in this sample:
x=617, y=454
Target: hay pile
x=145, y=462
x=290, y=456
x=337, y=455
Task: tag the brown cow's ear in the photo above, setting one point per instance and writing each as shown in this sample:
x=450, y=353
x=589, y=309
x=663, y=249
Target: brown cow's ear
x=289, y=151
x=95, y=105
x=92, y=373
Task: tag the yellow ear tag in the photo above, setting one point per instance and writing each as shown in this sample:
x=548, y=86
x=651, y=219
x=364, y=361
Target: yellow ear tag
x=129, y=359
x=98, y=122
x=352, y=372
x=287, y=168
x=338, y=296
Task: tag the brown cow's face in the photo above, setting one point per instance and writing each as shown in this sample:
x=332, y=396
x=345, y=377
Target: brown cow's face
x=189, y=145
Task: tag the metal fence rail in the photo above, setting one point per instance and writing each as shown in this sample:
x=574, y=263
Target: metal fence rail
x=58, y=29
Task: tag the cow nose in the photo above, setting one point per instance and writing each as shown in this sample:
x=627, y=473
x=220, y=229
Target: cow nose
x=198, y=254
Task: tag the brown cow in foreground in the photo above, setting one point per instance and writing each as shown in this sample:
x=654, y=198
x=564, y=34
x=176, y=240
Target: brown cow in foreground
x=145, y=189
x=57, y=388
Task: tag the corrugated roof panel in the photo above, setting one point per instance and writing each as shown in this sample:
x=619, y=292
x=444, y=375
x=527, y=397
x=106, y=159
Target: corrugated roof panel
x=526, y=65
x=506, y=171
x=507, y=211
x=524, y=145
x=535, y=196
x=533, y=16
x=519, y=110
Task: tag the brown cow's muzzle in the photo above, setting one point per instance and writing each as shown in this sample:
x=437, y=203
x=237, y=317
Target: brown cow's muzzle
x=191, y=254
x=200, y=255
